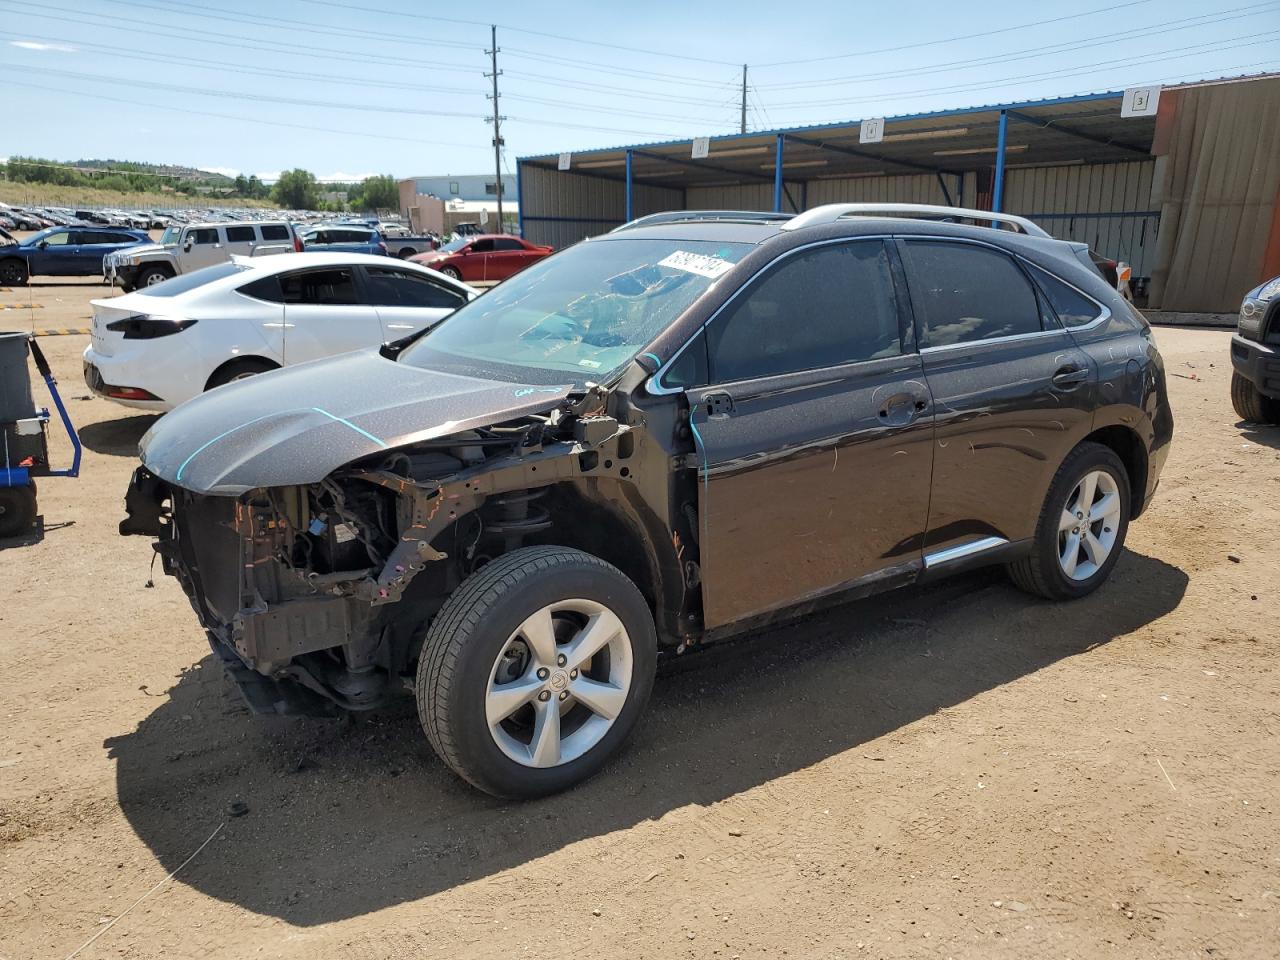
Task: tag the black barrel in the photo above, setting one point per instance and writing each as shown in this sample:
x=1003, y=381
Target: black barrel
x=16, y=402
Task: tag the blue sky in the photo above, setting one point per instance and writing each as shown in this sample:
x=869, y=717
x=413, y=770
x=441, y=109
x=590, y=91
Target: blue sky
x=347, y=88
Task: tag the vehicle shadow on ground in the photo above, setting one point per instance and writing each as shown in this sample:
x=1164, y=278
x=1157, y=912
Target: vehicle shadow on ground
x=1266, y=436
x=346, y=819
x=117, y=438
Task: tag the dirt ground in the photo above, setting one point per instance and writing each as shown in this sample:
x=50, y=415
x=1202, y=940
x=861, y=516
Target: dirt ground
x=951, y=771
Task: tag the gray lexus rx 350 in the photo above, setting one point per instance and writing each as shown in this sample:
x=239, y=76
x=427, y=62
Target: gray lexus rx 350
x=655, y=439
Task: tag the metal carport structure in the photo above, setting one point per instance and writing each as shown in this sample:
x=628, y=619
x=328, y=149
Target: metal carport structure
x=1072, y=164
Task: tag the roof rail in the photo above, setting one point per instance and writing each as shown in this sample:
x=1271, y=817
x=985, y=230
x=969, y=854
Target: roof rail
x=703, y=216
x=831, y=212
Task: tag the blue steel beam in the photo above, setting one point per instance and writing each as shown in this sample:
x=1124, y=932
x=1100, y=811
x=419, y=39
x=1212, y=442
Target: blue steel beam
x=628, y=217
x=779, y=149
x=997, y=190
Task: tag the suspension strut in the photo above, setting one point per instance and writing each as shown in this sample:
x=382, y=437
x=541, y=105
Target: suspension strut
x=516, y=515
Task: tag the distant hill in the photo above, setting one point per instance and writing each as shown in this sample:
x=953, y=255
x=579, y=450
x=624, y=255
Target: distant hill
x=168, y=170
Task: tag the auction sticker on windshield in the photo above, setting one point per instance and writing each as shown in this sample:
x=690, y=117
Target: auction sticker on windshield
x=698, y=263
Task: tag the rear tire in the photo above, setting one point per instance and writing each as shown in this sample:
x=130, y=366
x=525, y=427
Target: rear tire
x=535, y=671
x=17, y=510
x=13, y=272
x=1250, y=404
x=1101, y=524
x=239, y=370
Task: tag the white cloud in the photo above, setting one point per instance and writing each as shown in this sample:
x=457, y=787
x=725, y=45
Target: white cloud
x=343, y=176
x=50, y=47
x=223, y=171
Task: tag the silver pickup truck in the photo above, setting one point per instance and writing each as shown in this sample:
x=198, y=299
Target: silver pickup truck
x=188, y=247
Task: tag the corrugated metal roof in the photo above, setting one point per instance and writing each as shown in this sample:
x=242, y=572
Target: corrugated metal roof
x=1053, y=130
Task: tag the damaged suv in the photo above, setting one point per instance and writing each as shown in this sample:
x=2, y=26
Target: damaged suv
x=655, y=439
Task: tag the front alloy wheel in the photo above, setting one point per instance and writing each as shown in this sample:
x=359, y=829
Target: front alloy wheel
x=536, y=670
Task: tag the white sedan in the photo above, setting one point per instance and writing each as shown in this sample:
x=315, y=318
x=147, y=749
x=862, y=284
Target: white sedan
x=158, y=346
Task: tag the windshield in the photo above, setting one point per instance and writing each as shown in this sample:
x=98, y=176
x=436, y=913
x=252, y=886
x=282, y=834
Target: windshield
x=453, y=246
x=578, y=316
x=171, y=236
x=189, y=281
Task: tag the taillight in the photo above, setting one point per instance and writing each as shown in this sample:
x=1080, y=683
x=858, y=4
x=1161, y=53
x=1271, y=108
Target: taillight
x=297, y=243
x=143, y=327
x=130, y=393
x=382, y=247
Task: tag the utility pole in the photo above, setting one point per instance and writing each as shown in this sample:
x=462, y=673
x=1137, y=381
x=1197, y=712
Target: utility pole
x=496, y=120
x=744, y=100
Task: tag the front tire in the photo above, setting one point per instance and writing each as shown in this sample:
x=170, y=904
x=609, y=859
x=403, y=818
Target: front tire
x=150, y=276
x=535, y=671
x=1082, y=527
x=1250, y=404
x=453, y=272
x=17, y=510
x=13, y=272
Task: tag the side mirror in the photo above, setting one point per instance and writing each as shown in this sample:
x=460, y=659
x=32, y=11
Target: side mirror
x=186, y=246
x=42, y=245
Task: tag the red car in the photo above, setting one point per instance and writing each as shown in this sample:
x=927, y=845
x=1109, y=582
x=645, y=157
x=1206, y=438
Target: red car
x=488, y=257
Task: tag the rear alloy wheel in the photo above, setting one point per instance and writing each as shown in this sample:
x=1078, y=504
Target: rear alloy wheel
x=17, y=510
x=1250, y=404
x=13, y=272
x=1081, y=529
x=535, y=671
x=239, y=370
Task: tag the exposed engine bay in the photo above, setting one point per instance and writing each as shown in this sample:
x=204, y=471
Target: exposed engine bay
x=316, y=597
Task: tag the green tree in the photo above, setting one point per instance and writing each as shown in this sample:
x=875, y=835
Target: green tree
x=297, y=190
x=241, y=185
x=378, y=193
x=257, y=189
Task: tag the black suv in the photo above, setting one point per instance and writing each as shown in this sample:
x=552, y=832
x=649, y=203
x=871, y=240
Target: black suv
x=1255, y=355
x=655, y=439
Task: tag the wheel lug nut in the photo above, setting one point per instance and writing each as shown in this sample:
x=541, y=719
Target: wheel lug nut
x=561, y=660
x=564, y=695
x=543, y=673
x=573, y=674
x=544, y=696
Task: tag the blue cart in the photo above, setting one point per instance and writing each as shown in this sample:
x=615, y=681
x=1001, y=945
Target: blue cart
x=24, y=434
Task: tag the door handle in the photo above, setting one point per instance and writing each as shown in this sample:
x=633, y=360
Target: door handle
x=1071, y=375
x=903, y=408
x=718, y=404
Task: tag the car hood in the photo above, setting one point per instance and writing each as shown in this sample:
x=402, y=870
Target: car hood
x=299, y=424
x=140, y=248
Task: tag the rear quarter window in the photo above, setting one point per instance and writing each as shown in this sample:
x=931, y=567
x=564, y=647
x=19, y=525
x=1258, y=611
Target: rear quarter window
x=1073, y=308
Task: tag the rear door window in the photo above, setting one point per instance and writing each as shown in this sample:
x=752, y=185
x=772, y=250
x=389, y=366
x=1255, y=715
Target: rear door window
x=240, y=235
x=821, y=307
x=388, y=287
x=274, y=231
x=1073, y=308
x=965, y=293
x=507, y=243
x=320, y=287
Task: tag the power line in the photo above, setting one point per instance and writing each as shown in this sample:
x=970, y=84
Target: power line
x=236, y=94
x=224, y=67
x=95, y=95
x=1032, y=53
x=594, y=66
x=587, y=108
x=590, y=87
x=238, y=42
x=1105, y=11
x=1173, y=54
x=189, y=10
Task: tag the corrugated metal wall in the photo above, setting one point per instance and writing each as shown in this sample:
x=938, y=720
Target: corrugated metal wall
x=1106, y=205
x=562, y=208
x=1218, y=186
x=745, y=196
x=914, y=188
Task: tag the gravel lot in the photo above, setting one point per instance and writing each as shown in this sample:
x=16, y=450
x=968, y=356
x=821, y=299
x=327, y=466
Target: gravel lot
x=953, y=771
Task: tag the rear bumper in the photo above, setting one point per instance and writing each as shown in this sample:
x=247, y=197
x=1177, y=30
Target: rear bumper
x=1257, y=363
